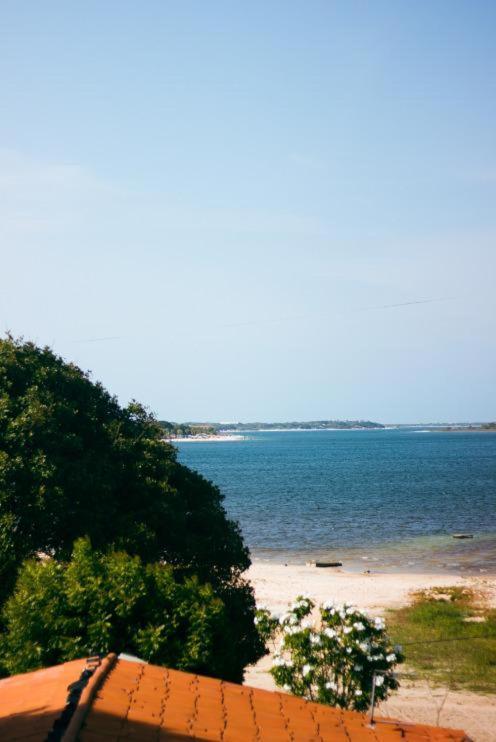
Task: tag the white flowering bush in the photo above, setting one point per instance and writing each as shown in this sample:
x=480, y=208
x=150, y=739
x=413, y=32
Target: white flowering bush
x=266, y=624
x=335, y=662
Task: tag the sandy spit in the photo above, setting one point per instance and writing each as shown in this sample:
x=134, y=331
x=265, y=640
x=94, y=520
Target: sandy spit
x=206, y=439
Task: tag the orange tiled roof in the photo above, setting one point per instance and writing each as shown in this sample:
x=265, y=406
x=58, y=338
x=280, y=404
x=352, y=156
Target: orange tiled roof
x=125, y=700
x=31, y=704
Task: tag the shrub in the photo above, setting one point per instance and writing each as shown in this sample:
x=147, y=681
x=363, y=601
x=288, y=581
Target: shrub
x=97, y=603
x=335, y=662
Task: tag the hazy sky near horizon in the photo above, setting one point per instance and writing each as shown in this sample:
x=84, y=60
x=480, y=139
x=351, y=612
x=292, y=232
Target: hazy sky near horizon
x=255, y=211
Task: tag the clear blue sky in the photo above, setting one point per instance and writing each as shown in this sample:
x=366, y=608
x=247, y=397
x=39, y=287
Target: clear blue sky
x=234, y=193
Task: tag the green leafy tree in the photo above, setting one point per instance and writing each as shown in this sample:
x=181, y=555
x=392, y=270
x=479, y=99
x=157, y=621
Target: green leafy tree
x=73, y=462
x=96, y=603
x=335, y=661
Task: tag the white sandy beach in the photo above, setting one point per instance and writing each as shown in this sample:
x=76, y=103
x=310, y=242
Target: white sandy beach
x=206, y=439
x=277, y=585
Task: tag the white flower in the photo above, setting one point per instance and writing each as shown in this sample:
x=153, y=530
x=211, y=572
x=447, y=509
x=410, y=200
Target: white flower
x=286, y=687
x=350, y=610
x=291, y=630
x=293, y=619
x=358, y=668
x=255, y=620
x=391, y=657
x=330, y=633
x=315, y=639
x=330, y=685
x=347, y=630
x=358, y=692
x=377, y=657
x=358, y=625
x=348, y=650
x=282, y=662
x=379, y=623
x=379, y=680
x=306, y=669
x=301, y=603
x=329, y=606
x=364, y=646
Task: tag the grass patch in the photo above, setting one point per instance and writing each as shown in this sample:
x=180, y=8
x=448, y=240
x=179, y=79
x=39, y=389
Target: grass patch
x=440, y=638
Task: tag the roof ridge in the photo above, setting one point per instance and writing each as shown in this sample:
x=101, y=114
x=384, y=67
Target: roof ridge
x=80, y=694
x=87, y=694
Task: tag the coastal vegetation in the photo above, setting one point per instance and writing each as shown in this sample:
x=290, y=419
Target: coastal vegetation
x=95, y=603
x=340, y=661
x=174, y=430
x=472, y=428
x=309, y=425
x=210, y=428
x=449, y=638
x=180, y=430
x=74, y=463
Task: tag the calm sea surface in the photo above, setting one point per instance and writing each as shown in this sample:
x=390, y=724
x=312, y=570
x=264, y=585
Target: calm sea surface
x=379, y=499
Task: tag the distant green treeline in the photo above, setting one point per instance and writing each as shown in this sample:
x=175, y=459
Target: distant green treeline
x=179, y=430
x=185, y=429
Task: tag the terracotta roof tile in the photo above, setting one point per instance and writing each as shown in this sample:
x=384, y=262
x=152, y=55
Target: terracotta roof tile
x=136, y=701
x=31, y=703
x=175, y=705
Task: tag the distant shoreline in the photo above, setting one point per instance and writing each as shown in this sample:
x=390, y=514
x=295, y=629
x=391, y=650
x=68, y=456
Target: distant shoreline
x=303, y=430
x=228, y=435
x=464, y=430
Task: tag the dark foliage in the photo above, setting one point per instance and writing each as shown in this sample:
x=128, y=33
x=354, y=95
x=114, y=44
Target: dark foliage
x=74, y=463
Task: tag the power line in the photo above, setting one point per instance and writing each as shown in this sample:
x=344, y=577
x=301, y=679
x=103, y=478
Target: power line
x=453, y=639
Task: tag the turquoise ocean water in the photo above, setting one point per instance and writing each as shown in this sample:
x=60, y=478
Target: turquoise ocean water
x=378, y=499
